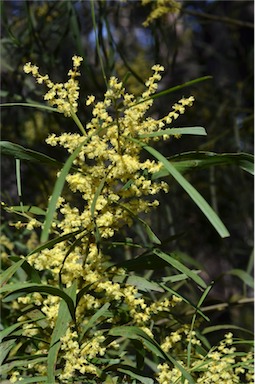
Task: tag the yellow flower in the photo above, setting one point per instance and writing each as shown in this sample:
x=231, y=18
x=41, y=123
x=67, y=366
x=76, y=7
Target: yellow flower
x=77, y=61
x=90, y=100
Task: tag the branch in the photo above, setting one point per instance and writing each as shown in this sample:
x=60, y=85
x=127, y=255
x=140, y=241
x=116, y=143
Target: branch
x=220, y=19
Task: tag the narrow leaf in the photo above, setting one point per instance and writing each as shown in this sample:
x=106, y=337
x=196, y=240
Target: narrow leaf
x=21, y=363
x=27, y=209
x=8, y=331
x=30, y=287
x=96, y=196
x=142, y=262
x=217, y=328
x=49, y=244
x=8, y=273
x=132, y=332
x=185, y=300
x=180, y=267
x=31, y=105
x=176, y=131
x=187, y=161
x=135, y=374
x=35, y=379
x=193, y=193
x=94, y=318
x=6, y=346
x=243, y=275
x=19, y=152
x=176, y=88
x=140, y=282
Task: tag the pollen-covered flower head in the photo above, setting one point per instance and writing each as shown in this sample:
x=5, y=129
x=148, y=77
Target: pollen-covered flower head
x=62, y=95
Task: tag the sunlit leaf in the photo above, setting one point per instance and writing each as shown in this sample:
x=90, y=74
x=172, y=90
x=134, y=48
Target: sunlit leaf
x=176, y=131
x=27, y=209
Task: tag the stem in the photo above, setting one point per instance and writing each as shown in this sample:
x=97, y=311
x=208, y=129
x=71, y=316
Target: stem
x=78, y=123
x=97, y=42
x=220, y=19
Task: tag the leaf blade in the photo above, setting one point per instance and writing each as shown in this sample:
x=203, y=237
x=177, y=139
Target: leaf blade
x=176, y=131
x=180, y=267
x=192, y=192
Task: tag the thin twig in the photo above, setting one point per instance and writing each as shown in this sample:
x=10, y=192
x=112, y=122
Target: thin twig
x=220, y=19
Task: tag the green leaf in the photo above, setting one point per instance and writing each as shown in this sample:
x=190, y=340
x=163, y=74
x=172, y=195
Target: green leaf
x=36, y=316
x=177, y=278
x=132, y=332
x=135, y=374
x=176, y=88
x=152, y=237
x=21, y=363
x=8, y=273
x=20, y=288
x=57, y=192
x=94, y=318
x=243, y=275
x=185, y=300
x=19, y=152
x=31, y=105
x=187, y=161
x=60, y=329
x=35, y=379
x=180, y=267
x=49, y=244
x=143, y=284
x=193, y=193
x=32, y=274
x=96, y=196
x=140, y=282
x=8, y=331
x=142, y=262
x=6, y=346
x=217, y=328
x=26, y=208
x=176, y=131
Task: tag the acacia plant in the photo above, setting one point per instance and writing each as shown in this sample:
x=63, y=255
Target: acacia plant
x=90, y=293
x=82, y=315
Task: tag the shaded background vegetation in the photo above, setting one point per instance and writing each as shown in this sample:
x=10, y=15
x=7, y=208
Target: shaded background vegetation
x=207, y=38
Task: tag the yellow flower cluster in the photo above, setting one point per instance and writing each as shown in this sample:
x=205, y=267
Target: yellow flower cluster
x=6, y=248
x=220, y=365
x=63, y=95
x=77, y=357
x=160, y=8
